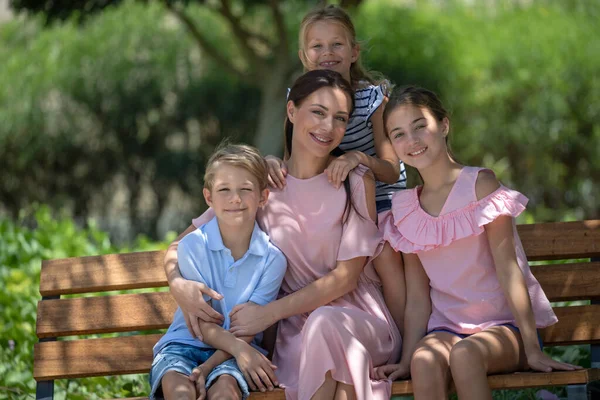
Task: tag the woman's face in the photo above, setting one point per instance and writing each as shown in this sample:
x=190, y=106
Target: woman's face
x=320, y=121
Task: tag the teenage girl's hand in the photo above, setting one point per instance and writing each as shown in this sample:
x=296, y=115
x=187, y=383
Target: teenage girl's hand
x=277, y=172
x=391, y=372
x=198, y=376
x=248, y=319
x=257, y=368
x=188, y=295
x=338, y=169
x=538, y=361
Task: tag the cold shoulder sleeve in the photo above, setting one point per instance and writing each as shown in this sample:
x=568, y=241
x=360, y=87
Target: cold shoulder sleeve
x=409, y=229
x=360, y=236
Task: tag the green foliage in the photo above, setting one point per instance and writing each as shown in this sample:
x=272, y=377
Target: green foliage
x=521, y=83
x=38, y=236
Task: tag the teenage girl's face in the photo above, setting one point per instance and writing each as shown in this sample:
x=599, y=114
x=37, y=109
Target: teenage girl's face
x=327, y=46
x=235, y=196
x=418, y=138
x=319, y=121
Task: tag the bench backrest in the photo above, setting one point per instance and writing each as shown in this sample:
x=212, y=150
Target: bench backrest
x=133, y=315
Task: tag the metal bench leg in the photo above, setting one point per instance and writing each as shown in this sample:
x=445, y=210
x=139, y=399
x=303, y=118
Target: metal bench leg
x=44, y=390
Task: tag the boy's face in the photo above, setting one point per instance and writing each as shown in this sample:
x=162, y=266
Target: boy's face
x=235, y=196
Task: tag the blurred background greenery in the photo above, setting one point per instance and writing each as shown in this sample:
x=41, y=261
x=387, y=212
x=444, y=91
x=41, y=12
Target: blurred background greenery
x=109, y=110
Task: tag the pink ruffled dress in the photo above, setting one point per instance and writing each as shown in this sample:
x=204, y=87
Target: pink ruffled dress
x=466, y=296
x=353, y=333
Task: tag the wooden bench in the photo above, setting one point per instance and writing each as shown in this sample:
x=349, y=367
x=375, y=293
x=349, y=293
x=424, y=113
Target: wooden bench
x=130, y=313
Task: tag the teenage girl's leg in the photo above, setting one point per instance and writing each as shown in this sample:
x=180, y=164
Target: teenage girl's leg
x=225, y=387
x=495, y=350
x=177, y=386
x=327, y=389
x=430, y=366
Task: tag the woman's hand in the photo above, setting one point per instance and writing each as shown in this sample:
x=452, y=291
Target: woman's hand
x=277, y=172
x=257, y=368
x=188, y=295
x=391, y=372
x=198, y=376
x=338, y=169
x=538, y=361
x=248, y=319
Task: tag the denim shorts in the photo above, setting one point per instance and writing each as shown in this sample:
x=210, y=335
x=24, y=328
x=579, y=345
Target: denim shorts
x=184, y=358
x=465, y=335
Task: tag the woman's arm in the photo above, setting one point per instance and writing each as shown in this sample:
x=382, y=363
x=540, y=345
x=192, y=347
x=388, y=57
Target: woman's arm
x=188, y=294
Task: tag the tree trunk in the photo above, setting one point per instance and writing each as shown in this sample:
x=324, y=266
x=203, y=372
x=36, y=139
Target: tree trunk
x=269, y=133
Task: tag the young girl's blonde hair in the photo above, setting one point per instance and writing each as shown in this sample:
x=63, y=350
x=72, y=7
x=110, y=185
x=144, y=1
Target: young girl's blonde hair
x=332, y=13
x=237, y=155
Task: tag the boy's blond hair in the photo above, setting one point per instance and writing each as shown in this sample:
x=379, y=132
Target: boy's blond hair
x=237, y=155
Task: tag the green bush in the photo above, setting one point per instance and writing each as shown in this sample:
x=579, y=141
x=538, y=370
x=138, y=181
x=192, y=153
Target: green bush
x=38, y=236
x=521, y=83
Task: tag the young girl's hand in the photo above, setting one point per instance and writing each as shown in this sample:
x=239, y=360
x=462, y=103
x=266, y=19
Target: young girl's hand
x=391, y=372
x=538, y=361
x=198, y=376
x=257, y=368
x=277, y=172
x=338, y=169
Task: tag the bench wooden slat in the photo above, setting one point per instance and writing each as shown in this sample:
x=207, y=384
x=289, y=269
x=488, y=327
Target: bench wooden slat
x=102, y=273
x=136, y=312
x=104, y=314
x=133, y=354
x=561, y=240
x=575, y=324
x=549, y=241
x=573, y=281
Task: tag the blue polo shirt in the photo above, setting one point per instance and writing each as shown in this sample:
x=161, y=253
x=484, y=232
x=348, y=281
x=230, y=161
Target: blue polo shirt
x=255, y=277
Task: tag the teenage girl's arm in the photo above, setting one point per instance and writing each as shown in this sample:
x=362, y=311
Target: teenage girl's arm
x=501, y=240
x=385, y=166
x=341, y=280
x=390, y=269
x=416, y=317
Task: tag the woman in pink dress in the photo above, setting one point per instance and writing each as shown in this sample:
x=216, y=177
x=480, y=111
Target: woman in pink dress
x=473, y=304
x=333, y=326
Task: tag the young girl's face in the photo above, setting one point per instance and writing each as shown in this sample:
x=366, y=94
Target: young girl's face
x=235, y=196
x=327, y=46
x=418, y=138
x=319, y=121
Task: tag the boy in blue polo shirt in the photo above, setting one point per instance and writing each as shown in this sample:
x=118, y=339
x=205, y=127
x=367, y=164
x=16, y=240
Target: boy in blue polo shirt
x=234, y=257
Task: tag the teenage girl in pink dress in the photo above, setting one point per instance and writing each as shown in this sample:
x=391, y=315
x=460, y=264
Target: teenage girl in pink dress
x=473, y=305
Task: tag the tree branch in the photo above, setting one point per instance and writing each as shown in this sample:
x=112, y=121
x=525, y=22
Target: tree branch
x=241, y=36
x=283, y=45
x=203, y=42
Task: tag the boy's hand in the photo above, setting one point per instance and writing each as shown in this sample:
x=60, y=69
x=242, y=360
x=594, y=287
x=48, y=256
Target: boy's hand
x=338, y=170
x=198, y=376
x=538, y=361
x=277, y=172
x=391, y=372
x=257, y=368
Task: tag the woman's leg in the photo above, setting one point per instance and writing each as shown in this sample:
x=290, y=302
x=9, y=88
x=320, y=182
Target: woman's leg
x=430, y=366
x=495, y=350
x=224, y=388
x=345, y=392
x=177, y=386
x=327, y=389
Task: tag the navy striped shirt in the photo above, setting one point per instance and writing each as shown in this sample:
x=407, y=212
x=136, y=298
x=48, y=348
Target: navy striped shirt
x=359, y=136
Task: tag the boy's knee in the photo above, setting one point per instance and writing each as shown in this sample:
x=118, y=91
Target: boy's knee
x=225, y=387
